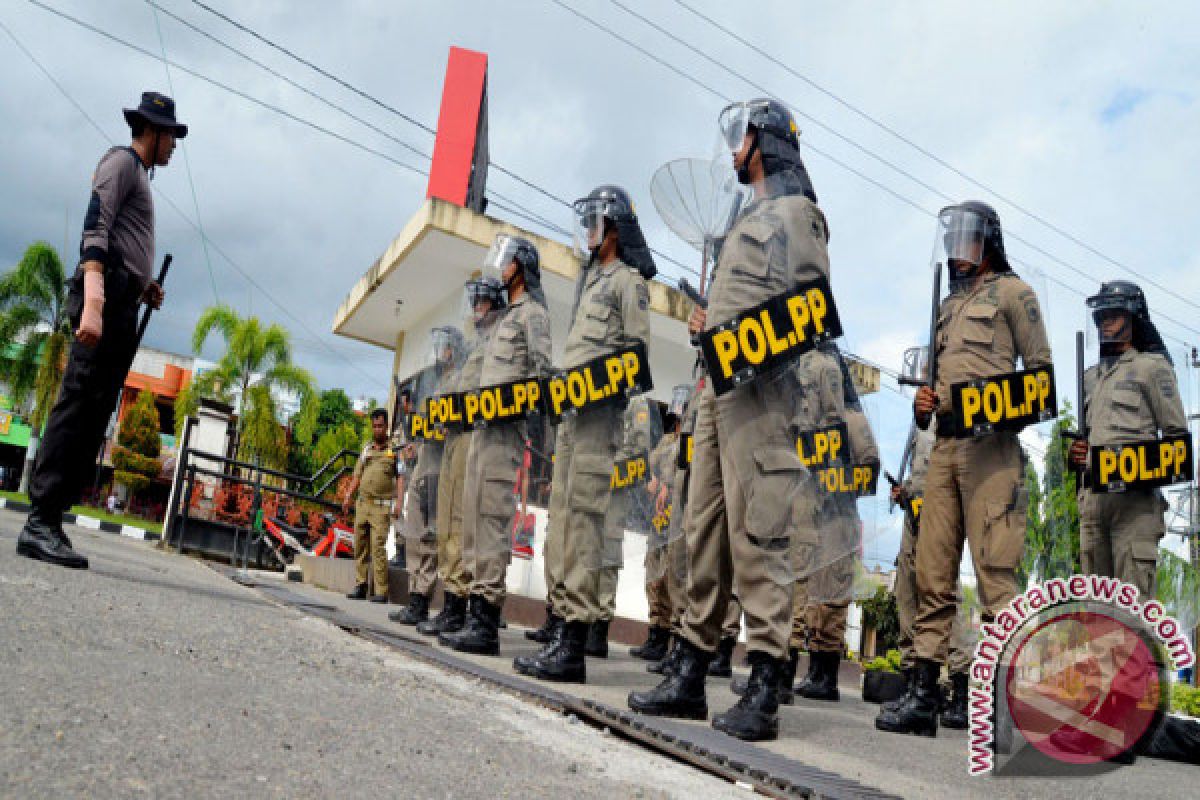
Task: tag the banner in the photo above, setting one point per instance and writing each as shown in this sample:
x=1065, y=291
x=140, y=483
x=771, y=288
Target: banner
x=501, y=404
x=824, y=452
x=629, y=472
x=1142, y=465
x=1004, y=402
x=445, y=411
x=420, y=429
x=770, y=336
x=600, y=382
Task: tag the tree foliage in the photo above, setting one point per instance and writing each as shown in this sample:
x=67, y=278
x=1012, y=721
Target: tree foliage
x=1177, y=587
x=879, y=612
x=135, y=457
x=1052, y=526
x=255, y=367
x=33, y=319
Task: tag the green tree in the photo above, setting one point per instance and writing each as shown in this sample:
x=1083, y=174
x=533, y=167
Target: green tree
x=879, y=612
x=135, y=458
x=1052, y=526
x=1177, y=587
x=347, y=436
x=33, y=319
x=256, y=364
x=319, y=415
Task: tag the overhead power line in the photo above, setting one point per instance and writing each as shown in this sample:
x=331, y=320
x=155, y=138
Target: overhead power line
x=930, y=155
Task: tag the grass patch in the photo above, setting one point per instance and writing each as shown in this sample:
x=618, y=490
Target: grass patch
x=96, y=513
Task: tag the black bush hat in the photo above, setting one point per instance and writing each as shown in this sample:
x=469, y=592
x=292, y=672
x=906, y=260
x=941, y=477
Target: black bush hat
x=157, y=110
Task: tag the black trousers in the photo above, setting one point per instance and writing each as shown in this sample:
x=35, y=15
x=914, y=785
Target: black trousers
x=66, y=459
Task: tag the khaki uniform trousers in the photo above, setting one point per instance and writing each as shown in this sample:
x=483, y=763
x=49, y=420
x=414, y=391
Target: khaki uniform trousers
x=658, y=589
x=584, y=453
x=1119, y=533
x=613, y=555
x=744, y=477
x=372, y=520
x=493, y=459
x=451, y=564
x=420, y=554
x=959, y=656
x=974, y=492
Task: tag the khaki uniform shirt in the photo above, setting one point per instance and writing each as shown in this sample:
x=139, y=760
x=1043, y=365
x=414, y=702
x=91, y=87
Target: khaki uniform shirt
x=376, y=471
x=915, y=482
x=613, y=313
x=636, y=434
x=1131, y=399
x=863, y=448
x=519, y=347
x=981, y=331
x=822, y=398
x=662, y=460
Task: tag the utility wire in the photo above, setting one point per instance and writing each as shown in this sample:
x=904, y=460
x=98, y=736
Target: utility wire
x=187, y=163
x=928, y=154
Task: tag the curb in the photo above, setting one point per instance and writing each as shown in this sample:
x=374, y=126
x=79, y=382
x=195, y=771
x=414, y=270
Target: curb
x=84, y=521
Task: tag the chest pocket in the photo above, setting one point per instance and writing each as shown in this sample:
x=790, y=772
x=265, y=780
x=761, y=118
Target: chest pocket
x=508, y=343
x=595, y=321
x=757, y=246
x=979, y=327
x=1127, y=409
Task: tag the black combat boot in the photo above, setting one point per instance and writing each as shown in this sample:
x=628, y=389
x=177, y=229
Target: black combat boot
x=597, y=639
x=955, y=714
x=525, y=664
x=822, y=681
x=564, y=660
x=722, y=665
x=359, y=593
x=450, y=619
x=43, y=539
x=655, y=646
x=910, y=685
x=787, y=677
x=545, y=634
x=755, y=716
x=670, y=660
x=918, y=713
x=681, y=694
x=481, y=634
x=416, y=612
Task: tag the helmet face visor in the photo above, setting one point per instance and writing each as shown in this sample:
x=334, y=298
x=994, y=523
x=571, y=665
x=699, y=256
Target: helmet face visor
x=588, y=231
x=499, y=256
x=444, y=345
x=680, y=396
x=1113, y=315
x=734, y=121
x=960, y=237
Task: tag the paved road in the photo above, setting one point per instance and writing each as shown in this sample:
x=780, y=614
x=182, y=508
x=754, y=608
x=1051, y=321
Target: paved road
x=151, y=675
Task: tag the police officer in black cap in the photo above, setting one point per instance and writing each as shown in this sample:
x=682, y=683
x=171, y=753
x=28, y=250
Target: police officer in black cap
x=113, y=278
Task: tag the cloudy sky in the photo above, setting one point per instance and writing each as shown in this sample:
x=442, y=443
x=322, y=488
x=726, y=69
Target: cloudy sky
x=1083, y=114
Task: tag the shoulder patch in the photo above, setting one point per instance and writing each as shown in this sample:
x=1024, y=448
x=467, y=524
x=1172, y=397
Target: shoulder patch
x=1165, y=380
x=643, y=295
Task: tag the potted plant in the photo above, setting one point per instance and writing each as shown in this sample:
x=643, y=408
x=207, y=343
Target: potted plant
x=882, y=679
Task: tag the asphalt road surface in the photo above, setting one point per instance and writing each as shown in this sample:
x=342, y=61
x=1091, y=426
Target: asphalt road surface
x=151, y=675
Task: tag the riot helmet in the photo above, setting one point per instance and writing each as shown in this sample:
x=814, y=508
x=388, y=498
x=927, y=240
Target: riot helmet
x=609, y=207
x=445, y=347
x=967, y=234
x=483, y=300
x=507, y=249
x=1124, y=301
x=775, y=136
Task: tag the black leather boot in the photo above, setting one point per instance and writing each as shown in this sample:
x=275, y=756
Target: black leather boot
x=918, y=713
x=451, y=618
x=416, y=612
x=822, y=683
x=545, y=634
x=563, y=662
x=359, y=593
x=910, y=685
x=755, y=716
x=481, y=634
x=787, y=678
x=955, y=715
x=525, y=664
x=670, y=660
x=597, y=639
x=43, y=539
x=681, y=694
x=722, y=665
x=655, y=646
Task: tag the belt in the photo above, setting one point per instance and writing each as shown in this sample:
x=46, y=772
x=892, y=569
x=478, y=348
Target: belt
x=379, y=501
x=945, y=425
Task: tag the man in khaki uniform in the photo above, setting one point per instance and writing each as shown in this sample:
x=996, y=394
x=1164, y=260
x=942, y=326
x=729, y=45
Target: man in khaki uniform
x=658, y=582
x=746, y=473
x=484, y=300
x=627, y=509
x=612, y=312
x=518, y=350
x=421, y=545
x=375, y=483
x=975, y=487
x=1130, y=396
x=958, y=660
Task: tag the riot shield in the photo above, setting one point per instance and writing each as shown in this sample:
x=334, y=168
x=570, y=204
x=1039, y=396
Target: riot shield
x=630, y=506
x=437, y=380
x=496, y=516
x=676, y=561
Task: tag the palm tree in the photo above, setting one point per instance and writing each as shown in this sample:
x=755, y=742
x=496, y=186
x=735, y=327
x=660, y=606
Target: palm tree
x=257, y=364
x=33, y=319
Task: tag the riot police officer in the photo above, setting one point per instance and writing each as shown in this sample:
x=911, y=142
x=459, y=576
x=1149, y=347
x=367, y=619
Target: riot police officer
x=518, y=350
x=975, y=487
x=746, y=471
x=612, y=312
x=1130, y=396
